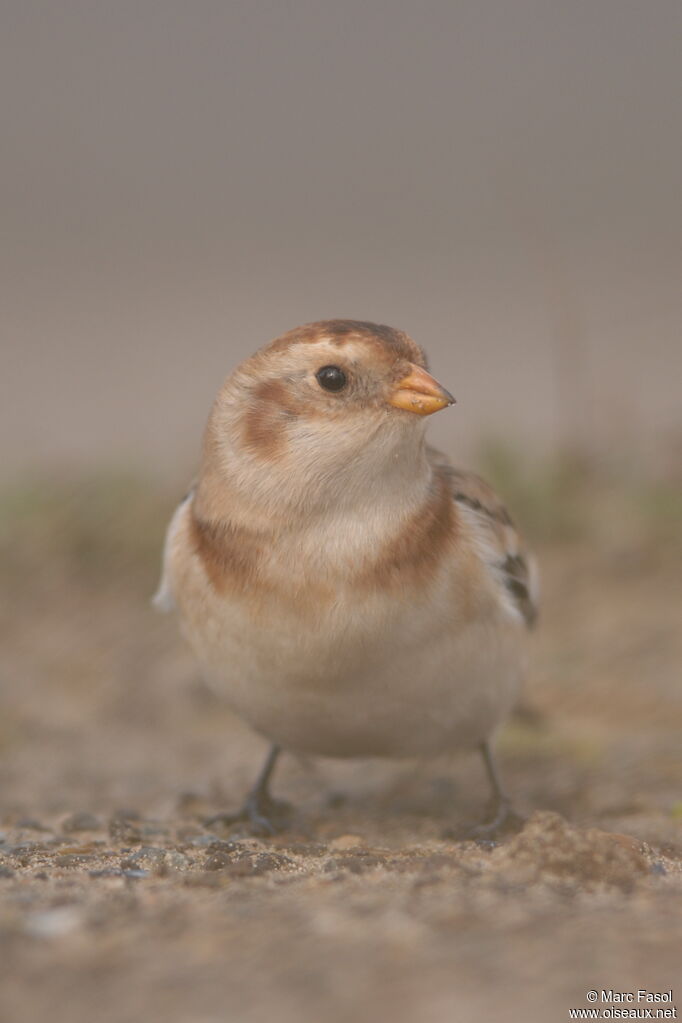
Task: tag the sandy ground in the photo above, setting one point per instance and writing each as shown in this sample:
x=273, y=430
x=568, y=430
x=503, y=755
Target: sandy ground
x=118, y=904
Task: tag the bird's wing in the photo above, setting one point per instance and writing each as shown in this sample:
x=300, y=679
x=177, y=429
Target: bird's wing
x=163, y=599
x=499, y=543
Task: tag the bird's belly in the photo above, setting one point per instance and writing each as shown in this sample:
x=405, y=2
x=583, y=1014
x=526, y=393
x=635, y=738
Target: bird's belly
x=358, y=681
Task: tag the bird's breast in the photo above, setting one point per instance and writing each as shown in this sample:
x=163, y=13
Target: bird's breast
x=327, y=666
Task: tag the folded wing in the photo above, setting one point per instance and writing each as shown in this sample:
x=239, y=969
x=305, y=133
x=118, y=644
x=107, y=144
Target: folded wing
x=498, y=542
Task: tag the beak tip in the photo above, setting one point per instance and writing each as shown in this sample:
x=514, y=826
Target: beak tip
x=419, y=392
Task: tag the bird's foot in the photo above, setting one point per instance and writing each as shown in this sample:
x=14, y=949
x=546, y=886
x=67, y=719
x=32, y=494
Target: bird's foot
x=504, y=819
x=264, y=815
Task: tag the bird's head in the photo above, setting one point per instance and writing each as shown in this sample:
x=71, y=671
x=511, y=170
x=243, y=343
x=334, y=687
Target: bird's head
x=323, y=415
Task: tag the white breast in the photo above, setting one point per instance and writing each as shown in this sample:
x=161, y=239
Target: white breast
x=362, y=674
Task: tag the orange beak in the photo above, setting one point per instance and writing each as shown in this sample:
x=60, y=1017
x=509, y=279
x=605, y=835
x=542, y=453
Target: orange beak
x=419, y=392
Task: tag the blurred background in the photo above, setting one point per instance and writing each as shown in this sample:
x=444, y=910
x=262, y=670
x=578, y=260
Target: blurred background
x=183, y=182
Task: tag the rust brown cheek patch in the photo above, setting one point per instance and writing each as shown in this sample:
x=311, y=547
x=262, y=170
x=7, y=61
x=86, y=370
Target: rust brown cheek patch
x=263, y=427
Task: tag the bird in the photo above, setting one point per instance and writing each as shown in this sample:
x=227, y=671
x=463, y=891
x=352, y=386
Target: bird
x=344, y=587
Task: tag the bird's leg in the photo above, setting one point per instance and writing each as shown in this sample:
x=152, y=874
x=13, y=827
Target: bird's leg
x=502, y=808
x=260, y=808
x=264, y=814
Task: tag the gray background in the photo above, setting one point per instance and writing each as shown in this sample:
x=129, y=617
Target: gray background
x=182, y=182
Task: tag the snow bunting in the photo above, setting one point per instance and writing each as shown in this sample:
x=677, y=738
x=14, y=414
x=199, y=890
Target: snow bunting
x=349, y=591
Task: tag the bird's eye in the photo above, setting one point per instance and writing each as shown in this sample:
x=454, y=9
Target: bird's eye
x=332, y=378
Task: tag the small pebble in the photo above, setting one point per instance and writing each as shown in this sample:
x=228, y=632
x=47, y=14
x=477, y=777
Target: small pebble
x=203, y=840
x=356, y=864
x=150, y=859
x=30, y=824
x=217, y=861
x=177, y=860
x=124, y=829
x=74, y=859
x=255, y=866
x=81, y=821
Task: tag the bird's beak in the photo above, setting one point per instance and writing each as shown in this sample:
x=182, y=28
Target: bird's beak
x=419, y=392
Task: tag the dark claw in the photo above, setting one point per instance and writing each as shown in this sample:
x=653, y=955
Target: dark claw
x=505, y=819
x=487, y=833
x=264, y=816
x=268, y=816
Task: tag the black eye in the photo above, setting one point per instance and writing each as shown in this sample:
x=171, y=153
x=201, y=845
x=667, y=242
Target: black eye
x=331, y=378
